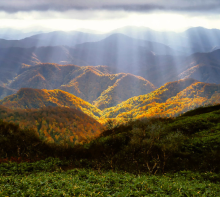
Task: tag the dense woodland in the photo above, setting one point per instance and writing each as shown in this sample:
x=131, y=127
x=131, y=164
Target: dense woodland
x=93, y=84
x=34, y=98
x=170, y=100
x=108, y=125
x=152, y=133
x=153, y=145
x=55, y=124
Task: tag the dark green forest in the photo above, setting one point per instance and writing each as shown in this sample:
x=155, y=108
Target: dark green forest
x=187, y=145
x=154, y=145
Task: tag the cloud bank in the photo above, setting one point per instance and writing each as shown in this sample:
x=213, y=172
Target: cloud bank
x=128, y=5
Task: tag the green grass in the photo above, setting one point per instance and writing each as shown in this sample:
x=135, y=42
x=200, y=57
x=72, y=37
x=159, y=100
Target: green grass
x=93, y=183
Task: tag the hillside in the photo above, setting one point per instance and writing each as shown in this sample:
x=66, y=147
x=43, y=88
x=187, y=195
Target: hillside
x=106, y=90
x=169, y=100
x=97, y=85
x=126, y=86
x=184, y=144
x=54, y=124
x=43, y=76
x=172, y=99
x=13, y=59
x=36, y=98
x=203, y=67
x=89, y=82
x=118, y=54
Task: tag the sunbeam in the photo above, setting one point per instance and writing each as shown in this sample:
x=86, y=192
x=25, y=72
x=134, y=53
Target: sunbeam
x=90, y=86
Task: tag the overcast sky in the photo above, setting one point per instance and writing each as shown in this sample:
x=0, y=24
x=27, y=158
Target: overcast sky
x=103, y=15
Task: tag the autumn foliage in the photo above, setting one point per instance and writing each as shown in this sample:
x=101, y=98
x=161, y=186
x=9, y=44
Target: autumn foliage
x=170, y=100
x=55, y=124
x=27, y=98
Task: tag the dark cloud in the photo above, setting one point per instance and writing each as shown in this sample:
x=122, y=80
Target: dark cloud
x=128, y=5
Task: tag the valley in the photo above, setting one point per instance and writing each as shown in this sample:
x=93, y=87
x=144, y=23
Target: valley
x=130, y=73
x=130, y=112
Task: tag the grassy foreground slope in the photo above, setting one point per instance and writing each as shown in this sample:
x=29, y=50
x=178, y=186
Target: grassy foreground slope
x=166, y=157
x=91, y=183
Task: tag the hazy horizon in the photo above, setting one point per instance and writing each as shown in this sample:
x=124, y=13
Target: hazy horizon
x=105, y=16
x=36, y=30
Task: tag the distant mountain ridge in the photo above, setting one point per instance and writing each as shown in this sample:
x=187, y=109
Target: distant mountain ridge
x=193, y=40
x=121, y=42
x=139, y=60
x=121, y=53
x=203, y=67
x=88, y=83
x=171, y=99
x=55, y=38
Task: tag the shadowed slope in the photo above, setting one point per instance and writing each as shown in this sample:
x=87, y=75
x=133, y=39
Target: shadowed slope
x=106, y=90
x=126, y=86
x=43, y=76
x=89, y=83
x=121, y=54
x=203, y=67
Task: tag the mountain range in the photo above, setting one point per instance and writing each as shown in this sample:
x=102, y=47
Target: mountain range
x=21, y=68
x=59, y=117
x=93, y=84
x=195, y=39
x=109, y=72
x=136, y=50
x=169, y=100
